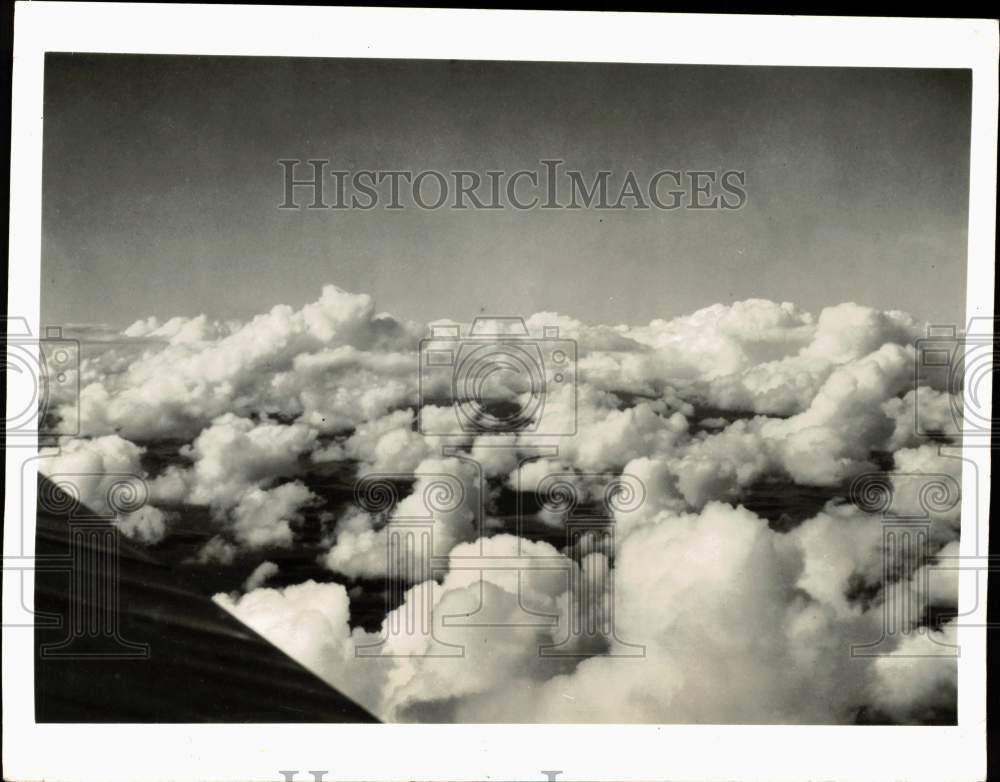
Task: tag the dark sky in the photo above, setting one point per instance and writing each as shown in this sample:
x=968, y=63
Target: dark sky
x=161, y=186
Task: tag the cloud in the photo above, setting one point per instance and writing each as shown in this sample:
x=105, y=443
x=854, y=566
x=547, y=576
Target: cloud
x=283, y=361
x=386, y=444
x=840, y=545
x=927, y=485
x=710, y=597
x=447, y=496
x=921, y=680
x=180, y=330
x=262, y=517
x=235, y=454
x=701, y=410
x=105, y=474
x=826, y=444
x=260, y=576
x=216, y=551
x=236, y=463
x=309, y=622
x=921, y=411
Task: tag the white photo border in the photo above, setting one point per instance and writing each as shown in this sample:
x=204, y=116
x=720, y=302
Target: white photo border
x=489, y=752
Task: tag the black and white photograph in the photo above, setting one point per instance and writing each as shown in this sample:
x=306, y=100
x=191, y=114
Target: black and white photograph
x=467, y=391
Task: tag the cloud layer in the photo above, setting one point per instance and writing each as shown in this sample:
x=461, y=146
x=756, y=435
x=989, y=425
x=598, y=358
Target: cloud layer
x=744, y=614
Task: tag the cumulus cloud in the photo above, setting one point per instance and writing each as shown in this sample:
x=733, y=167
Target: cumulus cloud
x=105, y=475
x=386, y=444
x=236, y=463
x=309, y=622
x=261, y=574
x=447, y=495
x=216, y=551
x=921, y=411
x=701, y=410
x=710, y=597
x=921, y=681
x=263, y=517
x=179, y=330
x=329, y=362
x=233, y=454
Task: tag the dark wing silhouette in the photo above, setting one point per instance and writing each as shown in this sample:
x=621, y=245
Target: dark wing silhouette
x=160, y=652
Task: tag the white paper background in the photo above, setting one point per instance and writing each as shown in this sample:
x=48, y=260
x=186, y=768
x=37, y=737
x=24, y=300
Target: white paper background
x=512, y=752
